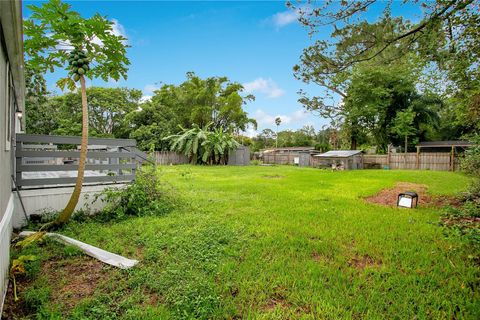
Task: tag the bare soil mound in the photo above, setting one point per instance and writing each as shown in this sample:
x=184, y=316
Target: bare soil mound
x=388, y=197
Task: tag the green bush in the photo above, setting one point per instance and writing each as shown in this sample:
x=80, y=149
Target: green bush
x=148, y=195
x=256, y=162
x=464, y=219
x=471, y=162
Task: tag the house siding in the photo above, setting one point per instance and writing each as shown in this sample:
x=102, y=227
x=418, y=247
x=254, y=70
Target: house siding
x=12, y=88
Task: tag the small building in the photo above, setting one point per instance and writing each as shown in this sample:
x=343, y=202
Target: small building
x=339, y=160
x=239, y=156
x=288, y=155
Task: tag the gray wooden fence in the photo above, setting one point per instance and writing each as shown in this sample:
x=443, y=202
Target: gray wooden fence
x=40, y=162
x=420, y=161
x=169, y=158
x=280, y=158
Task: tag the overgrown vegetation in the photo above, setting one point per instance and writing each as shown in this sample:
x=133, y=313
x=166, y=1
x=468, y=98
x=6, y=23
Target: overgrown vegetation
x=464, y=219
x=149, y=195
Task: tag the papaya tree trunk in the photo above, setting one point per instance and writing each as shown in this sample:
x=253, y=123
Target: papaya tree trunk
x=72, y=203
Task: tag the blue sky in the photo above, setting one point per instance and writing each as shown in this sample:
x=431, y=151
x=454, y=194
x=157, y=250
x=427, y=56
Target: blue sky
x=254, y=43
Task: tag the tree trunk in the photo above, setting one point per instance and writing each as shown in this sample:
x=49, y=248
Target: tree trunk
x=353, y=145
x=276, y=140
x=72, y=203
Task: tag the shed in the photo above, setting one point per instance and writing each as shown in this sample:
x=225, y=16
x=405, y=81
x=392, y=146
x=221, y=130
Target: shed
x=340, y=159
x=289, y=155
x=239, y=156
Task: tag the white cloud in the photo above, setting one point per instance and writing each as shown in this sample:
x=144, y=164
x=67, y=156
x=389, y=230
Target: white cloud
x=150, y=88
x=148, y=92
x=284, y=18
x=145, y=98
x=266, y=119
x=265, y=86
x=250, y=132
x=117, y=29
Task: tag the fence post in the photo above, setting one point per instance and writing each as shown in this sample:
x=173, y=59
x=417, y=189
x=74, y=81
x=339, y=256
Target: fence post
x=388, y=156
x=452, y=159
x=418, y=157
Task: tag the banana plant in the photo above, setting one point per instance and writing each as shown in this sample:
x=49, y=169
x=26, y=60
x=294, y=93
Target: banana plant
x=202, y=145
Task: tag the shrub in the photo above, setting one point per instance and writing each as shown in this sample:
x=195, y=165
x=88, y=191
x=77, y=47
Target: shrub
x=147, y=196
x=465, y=219
x=471, y=162
x=256, y=162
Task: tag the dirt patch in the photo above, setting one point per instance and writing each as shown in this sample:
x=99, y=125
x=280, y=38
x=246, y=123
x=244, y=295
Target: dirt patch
x=15, y=309
x=388, y=197
x=273, y=176
x=70, y=280
x=276, y=303
x=318, y=257
x=277, y=300
x=361, y=262
x=80, y=277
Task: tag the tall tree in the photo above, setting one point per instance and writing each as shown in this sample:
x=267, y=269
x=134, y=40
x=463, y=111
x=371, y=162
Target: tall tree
x=214, y=102
x=58, y=37
x=278, y=121
x=404, y=125
x=375, y=95
x=39, y=118
x=444, y=42
x=107, y=109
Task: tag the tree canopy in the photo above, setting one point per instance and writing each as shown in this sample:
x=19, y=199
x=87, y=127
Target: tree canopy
x=215, y=103
x=435, y=60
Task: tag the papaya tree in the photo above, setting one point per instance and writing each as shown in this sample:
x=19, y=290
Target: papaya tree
x=56, y=37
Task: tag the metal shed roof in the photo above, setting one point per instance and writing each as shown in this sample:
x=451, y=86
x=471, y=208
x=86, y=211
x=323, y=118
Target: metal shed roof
x=339, y=153
x=442, y=144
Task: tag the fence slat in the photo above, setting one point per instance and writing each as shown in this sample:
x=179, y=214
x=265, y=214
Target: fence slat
x=71, y=154
x=72, y=167
x=71, y=180
x=37, y=138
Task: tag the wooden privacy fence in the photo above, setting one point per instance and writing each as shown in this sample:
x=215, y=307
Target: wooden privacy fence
x=419, y=161
x=43, y=160
x=280, y=158
x=170, y=157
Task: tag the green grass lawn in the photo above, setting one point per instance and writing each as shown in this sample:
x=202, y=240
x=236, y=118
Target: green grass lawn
x=272, y=243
